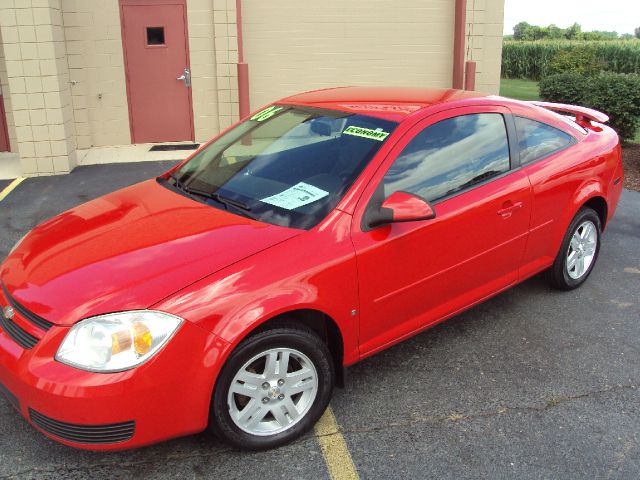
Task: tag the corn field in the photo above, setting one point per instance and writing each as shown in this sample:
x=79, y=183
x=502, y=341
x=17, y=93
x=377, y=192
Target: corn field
x=531, y=60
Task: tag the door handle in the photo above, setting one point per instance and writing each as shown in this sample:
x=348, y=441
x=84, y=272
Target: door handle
x=185, y=77
x=508, y=208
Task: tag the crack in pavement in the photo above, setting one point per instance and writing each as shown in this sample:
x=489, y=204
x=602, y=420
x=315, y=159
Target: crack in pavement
x=454, y=417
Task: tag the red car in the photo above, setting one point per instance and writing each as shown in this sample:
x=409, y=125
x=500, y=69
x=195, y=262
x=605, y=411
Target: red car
x=232, y=291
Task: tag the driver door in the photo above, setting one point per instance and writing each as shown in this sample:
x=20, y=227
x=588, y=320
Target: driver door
x=417, y=273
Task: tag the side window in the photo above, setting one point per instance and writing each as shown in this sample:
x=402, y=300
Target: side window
x=450, y=156
x=537, y=139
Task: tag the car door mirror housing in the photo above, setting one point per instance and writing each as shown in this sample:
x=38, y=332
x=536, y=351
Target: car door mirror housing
x=402, y=207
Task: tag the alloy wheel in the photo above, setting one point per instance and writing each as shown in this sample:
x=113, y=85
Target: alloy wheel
x=582, y=249
x=272, y=391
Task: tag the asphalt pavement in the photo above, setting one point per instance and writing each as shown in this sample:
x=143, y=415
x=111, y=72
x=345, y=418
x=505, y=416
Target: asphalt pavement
x=531, y=384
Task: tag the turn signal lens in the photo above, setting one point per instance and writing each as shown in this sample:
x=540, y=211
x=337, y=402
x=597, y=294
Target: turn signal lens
x=117, y=341
x=142, y=338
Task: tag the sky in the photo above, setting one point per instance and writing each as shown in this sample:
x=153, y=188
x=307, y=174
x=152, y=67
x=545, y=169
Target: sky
x=622, y=16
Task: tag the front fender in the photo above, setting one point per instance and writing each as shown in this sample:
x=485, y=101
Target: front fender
x=315, y=270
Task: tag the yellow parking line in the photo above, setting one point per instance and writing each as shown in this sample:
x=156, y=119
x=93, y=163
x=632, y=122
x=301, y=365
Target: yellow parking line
x=334, y=448
x=9, y=188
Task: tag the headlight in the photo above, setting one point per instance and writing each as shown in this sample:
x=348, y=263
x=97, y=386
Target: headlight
x=117, y=341
x=15, y=245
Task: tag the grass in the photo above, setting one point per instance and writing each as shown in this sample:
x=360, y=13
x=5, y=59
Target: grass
x=519, y=89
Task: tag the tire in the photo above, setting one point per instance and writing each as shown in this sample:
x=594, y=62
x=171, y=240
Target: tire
x=579, y=251
x=270, y=409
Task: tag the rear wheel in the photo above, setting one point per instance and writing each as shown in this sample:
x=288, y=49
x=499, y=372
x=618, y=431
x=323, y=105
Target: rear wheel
x=579, y=251
x=273, y=388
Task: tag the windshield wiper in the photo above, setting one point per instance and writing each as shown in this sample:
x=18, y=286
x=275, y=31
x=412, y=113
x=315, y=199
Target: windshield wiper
x=190, y=190
x=178, y=183
x=226, y=201
x=229, y=201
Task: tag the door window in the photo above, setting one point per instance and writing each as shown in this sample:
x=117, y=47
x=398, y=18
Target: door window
x=155, y=35
x=451, y=156
x=537, y=140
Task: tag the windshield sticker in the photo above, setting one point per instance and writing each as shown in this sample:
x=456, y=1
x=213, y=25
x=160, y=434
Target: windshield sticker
x=377, y=134
x=266, y=113
x=296, y=196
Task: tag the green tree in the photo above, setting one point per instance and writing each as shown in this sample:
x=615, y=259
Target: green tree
x=591, y=36
x=604, y=35
x=539, y=33
x=574, y=32
x=522, y=31
x=637, y=32
x=555, y=32
x=527, y=32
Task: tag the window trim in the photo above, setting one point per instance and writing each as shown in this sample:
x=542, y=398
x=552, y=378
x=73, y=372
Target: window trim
x=371, y=180
x=155, y=45
x=375, y=195
x=512, y=138
x=510, y=147
x=574, y=141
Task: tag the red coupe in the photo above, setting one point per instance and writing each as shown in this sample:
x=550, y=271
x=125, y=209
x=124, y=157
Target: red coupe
x=232, y=291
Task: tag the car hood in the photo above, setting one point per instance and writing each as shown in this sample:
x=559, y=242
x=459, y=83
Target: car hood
x=127, y=250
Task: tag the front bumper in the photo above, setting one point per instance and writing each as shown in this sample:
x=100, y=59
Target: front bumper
x=166, y=397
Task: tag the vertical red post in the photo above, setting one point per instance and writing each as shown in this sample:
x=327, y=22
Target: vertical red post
x=243, y=89
x=470, y=75
x=4, y=131
x=243, y=68
x=458, y=43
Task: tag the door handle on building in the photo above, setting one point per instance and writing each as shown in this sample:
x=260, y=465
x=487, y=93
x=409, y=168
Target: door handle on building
x=185, y=77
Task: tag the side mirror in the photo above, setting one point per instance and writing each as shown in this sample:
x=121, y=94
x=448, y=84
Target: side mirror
x=402, y=207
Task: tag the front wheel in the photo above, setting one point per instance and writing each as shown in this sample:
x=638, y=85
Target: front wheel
x=579, y=251
x=273, y=388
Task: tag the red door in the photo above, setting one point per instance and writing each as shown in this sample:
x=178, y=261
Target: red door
x=154, y=36
x=415, y=273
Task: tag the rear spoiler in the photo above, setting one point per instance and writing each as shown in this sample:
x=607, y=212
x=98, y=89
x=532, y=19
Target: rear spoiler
x=583, y=114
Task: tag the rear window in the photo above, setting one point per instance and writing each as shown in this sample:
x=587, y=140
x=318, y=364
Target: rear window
x=538, y=140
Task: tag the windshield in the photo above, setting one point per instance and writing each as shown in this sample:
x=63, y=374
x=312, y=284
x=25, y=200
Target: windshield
x=286, y=165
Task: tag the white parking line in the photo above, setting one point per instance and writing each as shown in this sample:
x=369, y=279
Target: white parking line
x=9, y=188
x=334, y=448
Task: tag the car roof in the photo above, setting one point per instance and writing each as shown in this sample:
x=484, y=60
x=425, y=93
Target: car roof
x=389, y=103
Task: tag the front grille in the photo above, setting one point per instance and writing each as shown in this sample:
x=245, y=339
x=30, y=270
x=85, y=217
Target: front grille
x=10, y=396
x=22, y=338
x=26, y=314
x=92, y=434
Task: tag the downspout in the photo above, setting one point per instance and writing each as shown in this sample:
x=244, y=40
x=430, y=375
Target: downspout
x=458, y=43
x=470, y=75
x=243, y=68
x=5, y=146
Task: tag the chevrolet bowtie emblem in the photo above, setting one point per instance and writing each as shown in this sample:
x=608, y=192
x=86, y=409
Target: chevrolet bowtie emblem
x=8, y=312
